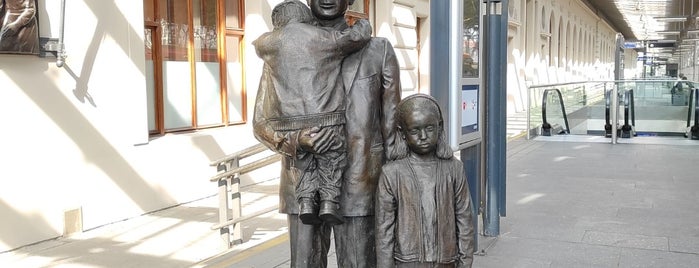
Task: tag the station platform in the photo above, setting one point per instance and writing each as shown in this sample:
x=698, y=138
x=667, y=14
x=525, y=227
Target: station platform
x=570, y=203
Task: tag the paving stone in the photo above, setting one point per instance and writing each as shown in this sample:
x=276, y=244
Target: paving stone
x=685, y=244
x=653, y=258
x=514, y=262
x=553, y=252
x=626, y=240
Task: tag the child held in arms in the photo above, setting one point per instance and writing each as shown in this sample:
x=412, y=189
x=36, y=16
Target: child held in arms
x=423, y=205
x=303, y=61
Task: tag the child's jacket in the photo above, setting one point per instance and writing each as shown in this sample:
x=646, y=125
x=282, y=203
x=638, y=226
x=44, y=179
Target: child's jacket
x=399, y=234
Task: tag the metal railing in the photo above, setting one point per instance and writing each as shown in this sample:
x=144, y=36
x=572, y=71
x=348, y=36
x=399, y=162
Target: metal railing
x=228, y=179
x=627, y=130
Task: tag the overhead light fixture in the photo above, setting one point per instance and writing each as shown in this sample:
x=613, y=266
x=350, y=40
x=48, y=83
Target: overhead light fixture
x=671, y=19
x=670, y=32
x=692, y=31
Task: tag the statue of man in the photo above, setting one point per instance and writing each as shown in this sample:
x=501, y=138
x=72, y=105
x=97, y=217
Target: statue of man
x=305, y=63
x=372, y=89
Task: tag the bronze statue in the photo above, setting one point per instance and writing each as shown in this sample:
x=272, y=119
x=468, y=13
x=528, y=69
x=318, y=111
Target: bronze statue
x=372, y=91
x=18, y=27
x=423, y=206
x=304, y=61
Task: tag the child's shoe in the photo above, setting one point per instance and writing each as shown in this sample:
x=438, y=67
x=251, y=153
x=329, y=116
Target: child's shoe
x=308, y=211
x=330, y=213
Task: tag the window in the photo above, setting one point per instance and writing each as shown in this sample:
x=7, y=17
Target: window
x=471, y=46
x=360, y=9
x=193, y=64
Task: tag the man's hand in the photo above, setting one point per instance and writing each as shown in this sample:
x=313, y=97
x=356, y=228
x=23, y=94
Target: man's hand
x=316, y=140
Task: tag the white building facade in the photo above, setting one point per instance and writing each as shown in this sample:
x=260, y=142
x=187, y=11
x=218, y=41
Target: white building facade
x=555, y=41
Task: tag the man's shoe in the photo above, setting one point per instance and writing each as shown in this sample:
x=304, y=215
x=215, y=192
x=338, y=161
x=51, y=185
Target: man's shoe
x=330, y=213
x=308, y=212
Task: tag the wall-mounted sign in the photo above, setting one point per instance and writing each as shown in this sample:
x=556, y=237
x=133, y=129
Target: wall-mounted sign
x=632, y=45
x=469, y=109
x=19, y=28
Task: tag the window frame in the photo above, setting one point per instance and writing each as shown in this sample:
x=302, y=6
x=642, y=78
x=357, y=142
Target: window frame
x=352, y=15
x=222, y=32
x=240, y=33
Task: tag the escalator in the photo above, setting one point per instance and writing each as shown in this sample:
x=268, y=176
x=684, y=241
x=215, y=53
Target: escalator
x=546, y=128
x=645, y=109
x=627, y=130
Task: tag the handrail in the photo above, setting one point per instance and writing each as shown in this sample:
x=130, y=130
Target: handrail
x=228, y=179
x=633, y=110
x=248, y=168
x=607, y=113
x=603, y=82
x=546, y=127
x=258, y=148
x=629, y=112
x=61, y=56
x=244, y=218
x=566, y=84
x=696, y=107
x=694, y=130
x=689, y=108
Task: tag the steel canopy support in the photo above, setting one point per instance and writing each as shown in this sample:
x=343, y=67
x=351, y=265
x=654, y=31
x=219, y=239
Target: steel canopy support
x=445, y=85
x=496, y=114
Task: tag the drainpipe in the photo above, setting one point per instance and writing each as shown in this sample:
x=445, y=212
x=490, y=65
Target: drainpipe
x=61, y=55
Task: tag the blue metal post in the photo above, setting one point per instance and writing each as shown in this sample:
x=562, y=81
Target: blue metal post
x=503, y=102
x=496, y=116
x=471, y=157
x=445, y=82
x=439, y=55
x=504, y=18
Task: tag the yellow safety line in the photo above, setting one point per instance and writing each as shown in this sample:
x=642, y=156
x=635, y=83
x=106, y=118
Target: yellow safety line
x=246, y=254
x=524, y=133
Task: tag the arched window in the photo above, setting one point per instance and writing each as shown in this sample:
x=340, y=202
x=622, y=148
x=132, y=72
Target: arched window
x=550, y=31
x=561, y=43
x=543, y=19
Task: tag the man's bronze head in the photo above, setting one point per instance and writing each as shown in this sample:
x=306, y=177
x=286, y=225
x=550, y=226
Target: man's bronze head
x=329, y=9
